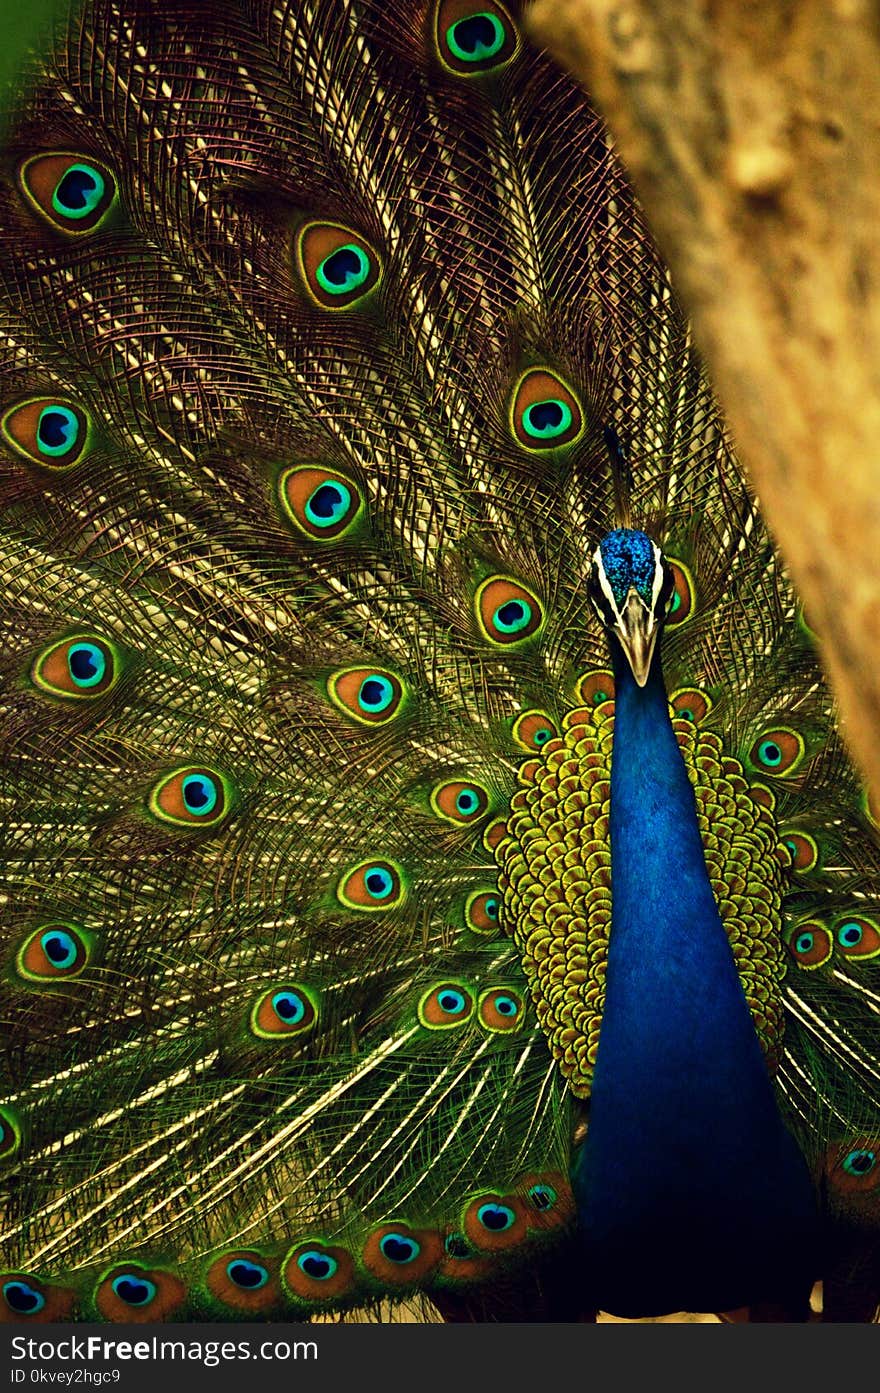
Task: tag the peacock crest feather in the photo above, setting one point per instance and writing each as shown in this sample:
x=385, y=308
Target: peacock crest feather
x=333, y=347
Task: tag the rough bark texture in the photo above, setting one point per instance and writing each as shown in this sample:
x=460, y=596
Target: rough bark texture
x=751, y=129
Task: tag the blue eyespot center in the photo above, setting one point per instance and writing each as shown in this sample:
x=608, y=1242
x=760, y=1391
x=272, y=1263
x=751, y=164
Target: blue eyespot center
x=506, y=1006
x=543, y=1197
x=134, y=1291
x=476, y=37
x=289, y=1007
x=512, y=616
x=490, y=907
x=57, y=430
x=250, y=1276
x=379, y=882
x=319, y=1266
x=328, y=504
x=497, y=1218
x=452, y=1002
x=25, y=1300
x=769, y=753
x=375, y=694
x=60, y=948
x=804, y=942
x=199, y=794
x=860, y=1162
x=541, y=736
x=86, y=664
x=78, y=192
x=850, y=935
x=344, y=270
x=546, y=419
x=467, y=802
x=398, y=1247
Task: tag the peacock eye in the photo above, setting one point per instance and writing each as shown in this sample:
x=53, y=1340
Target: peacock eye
x=804, y=850
x=73, y=193
x=284, y=1011
x=859, y=1163
x=545, y=413
x=250, y=1276
x=474, y=38
x=316, y=1272
x=134, y=1289
x=399, y=1247
x=682, y=599
x=373, y=696
x=481, y=911
x=495, y=1217
x=449, y=1005
x=458, y=801
x=337, y=265
x=778, y=752
x=532, y=730
x=810, y=944
x=501, y=1010
x=46, y=431
x=22, y=1298
x=191, y=797
x=858, y=937
x=82, y=667
x=53, y=952
x=542, y=1197
x=320, y=502
x=455, y=1245
x=506, y=611
x=690, y=704
x=372, y=886
x=595, y=686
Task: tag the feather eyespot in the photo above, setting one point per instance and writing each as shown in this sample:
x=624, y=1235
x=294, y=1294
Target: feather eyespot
x=532, y=730
x=501, y=1010
x=82, y=667
x=191, y=797
x=315, y=1272
x=683, y=598
x=10, y=1134
x=778, y=752
x=338, y=267
x=284, y=1011
x=481, y=912
x=857, y=937
x=399, y=1255
x=595, y=686
x=544, y=413
x=374, y=886
x=72, y=192
x=810, y=944
x=446, y=1007
x=459, y=801
x=22, y=1297
x=494, y=1222
x=803, y=849
x=52, y=953
x=859, y=1163
x=690, y=704
x=474, y=36
x=506, y=611
x=242, y=1280
x=138, y=1294
x=373, y=696
x=548, y=1200
x=46, y=431
x=853, y=1167
x=320, y=502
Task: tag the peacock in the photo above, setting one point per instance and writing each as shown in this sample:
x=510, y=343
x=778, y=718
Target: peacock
x=431, y=867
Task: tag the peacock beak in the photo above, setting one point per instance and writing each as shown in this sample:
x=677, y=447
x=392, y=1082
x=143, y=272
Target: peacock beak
x=637, y=632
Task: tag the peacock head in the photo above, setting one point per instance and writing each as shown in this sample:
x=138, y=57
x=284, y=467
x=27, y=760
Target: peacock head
x=631, y=588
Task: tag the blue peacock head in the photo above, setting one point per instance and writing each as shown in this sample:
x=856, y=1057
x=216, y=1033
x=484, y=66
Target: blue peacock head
x=631, y=587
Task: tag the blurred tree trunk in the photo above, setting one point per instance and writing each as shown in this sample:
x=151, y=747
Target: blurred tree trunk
x=751, y=130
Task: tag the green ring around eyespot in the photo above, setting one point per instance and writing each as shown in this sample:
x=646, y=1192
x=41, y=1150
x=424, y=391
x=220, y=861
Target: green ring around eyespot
x=471, y=55
x=376, y=905
x=84, y=944
x=26, y=454
x=10, y=1133
x=80, y=694
x=162, y=816
x=548, y=432
x=76, y=215
x=309, y=998
x=355, y=280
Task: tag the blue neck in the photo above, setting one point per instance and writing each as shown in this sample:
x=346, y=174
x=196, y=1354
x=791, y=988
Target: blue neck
x=688, y=1184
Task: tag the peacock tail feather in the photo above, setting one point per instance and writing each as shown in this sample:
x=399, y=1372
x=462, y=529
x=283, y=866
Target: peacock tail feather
x=332, y=343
